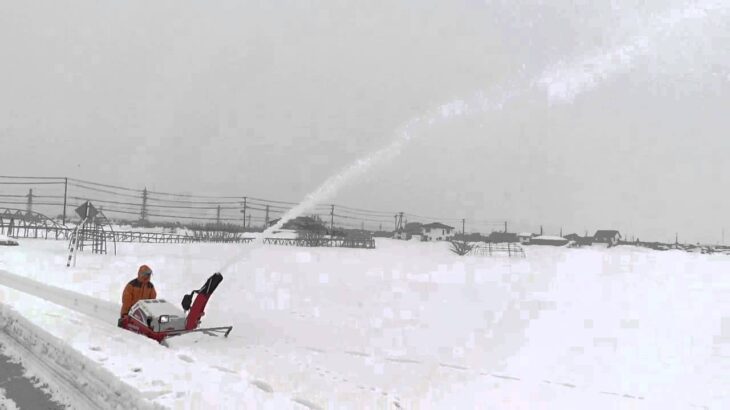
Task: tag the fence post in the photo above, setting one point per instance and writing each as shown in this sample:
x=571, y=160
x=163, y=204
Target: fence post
x=65, y=192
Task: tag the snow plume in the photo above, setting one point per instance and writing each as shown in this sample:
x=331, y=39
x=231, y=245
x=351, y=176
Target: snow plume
x=445, y=112
x=332, y=184
x=565, y=81
x=451, y=110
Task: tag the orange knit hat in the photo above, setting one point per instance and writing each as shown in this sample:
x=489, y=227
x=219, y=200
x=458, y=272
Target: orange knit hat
x=144, y=269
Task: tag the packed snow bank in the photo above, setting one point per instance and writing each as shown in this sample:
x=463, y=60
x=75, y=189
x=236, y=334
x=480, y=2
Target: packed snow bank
x=99, y=309
x=167, y=378
x=73, y=379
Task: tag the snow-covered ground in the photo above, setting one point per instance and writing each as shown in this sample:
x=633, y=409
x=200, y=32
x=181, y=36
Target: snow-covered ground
x=408, y=324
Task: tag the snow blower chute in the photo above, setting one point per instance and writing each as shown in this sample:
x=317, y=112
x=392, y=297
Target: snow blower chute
x=159, y=319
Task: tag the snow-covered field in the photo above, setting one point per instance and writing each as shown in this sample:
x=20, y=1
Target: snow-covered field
x=408, y=325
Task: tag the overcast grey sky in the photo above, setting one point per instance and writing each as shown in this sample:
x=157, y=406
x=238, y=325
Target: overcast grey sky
x=269, y=98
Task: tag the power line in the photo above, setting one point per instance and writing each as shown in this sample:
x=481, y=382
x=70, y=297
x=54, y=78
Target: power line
x=362, y=219
x=105, y=191
x=358, y=210
x=432, y=218
x=105, y=185
x=180, y=201
x=30, y=183
x=274, y=202
x=26, y=202
x=17, y=177
x=148, y=205
x=165, y=200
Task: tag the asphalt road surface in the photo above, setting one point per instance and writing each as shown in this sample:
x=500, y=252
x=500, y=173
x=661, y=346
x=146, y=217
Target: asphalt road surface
x=21, y=390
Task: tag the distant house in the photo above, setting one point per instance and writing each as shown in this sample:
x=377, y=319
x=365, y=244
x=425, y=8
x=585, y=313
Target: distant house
x=524, y=237
x=610, y=237
x=437, y=231
x=572, y=237
x=549, y=240
x=579, y=240
x=500, y=237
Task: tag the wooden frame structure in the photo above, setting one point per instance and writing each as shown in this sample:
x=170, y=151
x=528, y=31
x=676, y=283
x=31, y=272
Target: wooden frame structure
x=498, y=249
x=22, y=223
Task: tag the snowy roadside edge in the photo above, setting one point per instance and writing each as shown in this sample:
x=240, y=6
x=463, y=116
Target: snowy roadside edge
x=5, y=402
x=71, y=377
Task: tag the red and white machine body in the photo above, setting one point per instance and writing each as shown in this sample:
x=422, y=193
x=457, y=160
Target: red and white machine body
x=159, y=319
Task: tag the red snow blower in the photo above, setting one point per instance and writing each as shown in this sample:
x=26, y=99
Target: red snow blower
x=159, y=319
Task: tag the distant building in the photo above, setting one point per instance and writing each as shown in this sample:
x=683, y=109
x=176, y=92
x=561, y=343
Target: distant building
x=610, y=237
x=524, y=237
x=549, y=240
x=579, y=240
x=501, y=237
x=437, y=231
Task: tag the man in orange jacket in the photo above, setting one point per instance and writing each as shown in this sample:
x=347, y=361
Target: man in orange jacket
x=138, y=289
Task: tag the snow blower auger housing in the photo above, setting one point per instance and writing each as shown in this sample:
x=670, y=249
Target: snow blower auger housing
x=159, y=319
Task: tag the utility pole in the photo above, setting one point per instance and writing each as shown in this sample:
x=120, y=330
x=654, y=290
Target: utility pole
x=243, y=211
x=540, y=230
x=266, y=223
x=143, y=213
x=29, y=204
x=505, y=226
x=332, y=220
x=399, y=221
x=65, y=191
x=395, y=223
x=249, y=220
x=218, y=216
x=463, y=226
